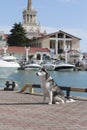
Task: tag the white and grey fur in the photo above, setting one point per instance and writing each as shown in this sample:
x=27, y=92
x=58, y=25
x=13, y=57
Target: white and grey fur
x=50, y=88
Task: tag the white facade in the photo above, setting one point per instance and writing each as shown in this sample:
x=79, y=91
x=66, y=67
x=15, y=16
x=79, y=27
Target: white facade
x=57, y=42
x=2, y=41
x=30, y=21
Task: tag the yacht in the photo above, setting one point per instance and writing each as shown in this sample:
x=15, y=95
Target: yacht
x=64, y=67
x=83, y=64
x=9, y=61
x=8, y=65
x=49, y=66
x=30, y=66
x=58, y=66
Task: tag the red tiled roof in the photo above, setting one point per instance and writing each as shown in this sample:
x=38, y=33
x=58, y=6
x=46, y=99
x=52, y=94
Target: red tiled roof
x=71, y=51
x=15, y=49
x=32, y=50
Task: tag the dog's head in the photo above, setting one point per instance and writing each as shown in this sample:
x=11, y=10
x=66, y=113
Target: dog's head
x=43, y=73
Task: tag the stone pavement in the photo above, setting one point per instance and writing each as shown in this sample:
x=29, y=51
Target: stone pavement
x=20, y=111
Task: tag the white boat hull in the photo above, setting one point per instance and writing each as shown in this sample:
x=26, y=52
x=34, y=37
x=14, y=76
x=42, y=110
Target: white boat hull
x=30, y=67
x=7, y=67
x=64, y=67
x=8, y=64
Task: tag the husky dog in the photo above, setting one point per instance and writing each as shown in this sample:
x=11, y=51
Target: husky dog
x=50, y=88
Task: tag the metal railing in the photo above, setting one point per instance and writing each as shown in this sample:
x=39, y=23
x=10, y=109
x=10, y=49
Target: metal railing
x=67, y=89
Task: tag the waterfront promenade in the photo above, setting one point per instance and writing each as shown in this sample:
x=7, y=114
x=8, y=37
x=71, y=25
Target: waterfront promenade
x=20, y=111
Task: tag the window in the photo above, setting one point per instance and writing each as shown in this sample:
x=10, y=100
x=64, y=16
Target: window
x=38, y=56
x=68, y=36
x=52, y=44
x=60, y=35
x=0, y=38
x=53, y=36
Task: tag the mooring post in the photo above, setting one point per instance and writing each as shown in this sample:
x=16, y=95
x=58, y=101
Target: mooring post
x=31, y=90
x=68, y=93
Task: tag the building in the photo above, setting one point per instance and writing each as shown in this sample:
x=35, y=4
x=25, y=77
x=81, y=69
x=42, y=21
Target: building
x=56, y=42
x=3, y=38
x=30, y=21
x=26, y=53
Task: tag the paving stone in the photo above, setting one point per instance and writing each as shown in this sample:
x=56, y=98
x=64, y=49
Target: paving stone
x=20, y=111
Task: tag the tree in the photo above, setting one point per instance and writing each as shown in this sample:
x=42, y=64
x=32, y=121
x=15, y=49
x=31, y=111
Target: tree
x=17, y=36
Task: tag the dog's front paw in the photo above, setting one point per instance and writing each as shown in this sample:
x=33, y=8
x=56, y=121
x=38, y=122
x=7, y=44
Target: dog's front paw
x=56, y=102
x=70, y=100
x=50, y=103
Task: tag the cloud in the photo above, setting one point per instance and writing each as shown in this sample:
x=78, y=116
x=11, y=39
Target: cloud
x=48, y=29
x=6, y=29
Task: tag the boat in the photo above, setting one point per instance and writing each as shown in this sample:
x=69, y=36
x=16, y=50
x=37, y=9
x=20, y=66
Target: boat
x=29, y=66
x=58, y=66
x=49, y=66
x=64, y=67
x=32, y=66
x=8, y=61
x=8, y=65
x=83, y=64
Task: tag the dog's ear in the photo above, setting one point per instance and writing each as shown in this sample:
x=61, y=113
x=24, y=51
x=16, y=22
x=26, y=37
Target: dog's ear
x=44, y=69
x=47, y=74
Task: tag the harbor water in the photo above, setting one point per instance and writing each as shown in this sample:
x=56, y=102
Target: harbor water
x=68, y=79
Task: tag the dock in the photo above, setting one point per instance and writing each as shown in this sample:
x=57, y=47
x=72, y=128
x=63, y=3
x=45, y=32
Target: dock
x=25, y=111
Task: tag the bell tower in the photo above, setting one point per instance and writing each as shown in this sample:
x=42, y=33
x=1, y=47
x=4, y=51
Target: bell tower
x=30, y=21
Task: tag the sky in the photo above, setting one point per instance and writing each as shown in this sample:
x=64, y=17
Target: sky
x=53, y=15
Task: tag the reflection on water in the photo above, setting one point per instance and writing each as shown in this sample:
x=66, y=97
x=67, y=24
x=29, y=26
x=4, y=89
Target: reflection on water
x=23, y=77
x=5, y=72
x=70, y=79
